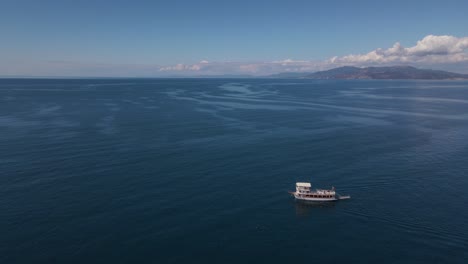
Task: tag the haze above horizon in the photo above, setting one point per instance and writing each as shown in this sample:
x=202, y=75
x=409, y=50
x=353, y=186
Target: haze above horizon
x=188, y=38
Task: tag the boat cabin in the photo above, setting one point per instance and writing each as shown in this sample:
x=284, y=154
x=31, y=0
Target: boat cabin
x=303, y=189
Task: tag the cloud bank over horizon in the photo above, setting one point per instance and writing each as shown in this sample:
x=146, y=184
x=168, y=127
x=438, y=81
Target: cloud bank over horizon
x=441, y=52
x=437, y=52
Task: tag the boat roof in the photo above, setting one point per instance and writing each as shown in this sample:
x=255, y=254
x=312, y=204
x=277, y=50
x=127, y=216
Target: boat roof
x=303, y=184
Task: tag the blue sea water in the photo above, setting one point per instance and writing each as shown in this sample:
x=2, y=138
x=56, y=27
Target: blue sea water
x=197, y=171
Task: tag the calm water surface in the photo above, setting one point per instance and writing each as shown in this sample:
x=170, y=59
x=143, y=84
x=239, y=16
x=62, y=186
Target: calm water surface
x=197, y=171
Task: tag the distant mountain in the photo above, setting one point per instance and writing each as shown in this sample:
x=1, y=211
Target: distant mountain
x=224, y=76
x=394, y=72
x=287, y=75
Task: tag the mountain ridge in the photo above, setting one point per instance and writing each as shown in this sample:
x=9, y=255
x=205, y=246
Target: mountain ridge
x=377, y=73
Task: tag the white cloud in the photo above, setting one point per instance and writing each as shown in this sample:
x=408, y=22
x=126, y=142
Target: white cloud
x=430, y=50
x=252, y=68
x=181, y=67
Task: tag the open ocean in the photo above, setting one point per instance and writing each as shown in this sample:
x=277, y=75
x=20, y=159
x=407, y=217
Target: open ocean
x=197, y=171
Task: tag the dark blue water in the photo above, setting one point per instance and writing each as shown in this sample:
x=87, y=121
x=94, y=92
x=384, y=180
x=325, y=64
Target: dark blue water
x=197, y=171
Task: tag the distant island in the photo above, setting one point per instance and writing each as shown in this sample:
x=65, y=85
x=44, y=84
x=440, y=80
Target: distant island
x=380, y=73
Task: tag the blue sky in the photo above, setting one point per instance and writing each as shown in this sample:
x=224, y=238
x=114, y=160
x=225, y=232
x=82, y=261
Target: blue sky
x=146, y=38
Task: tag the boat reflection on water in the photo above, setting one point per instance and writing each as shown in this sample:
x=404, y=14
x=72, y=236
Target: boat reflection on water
x=303, y=208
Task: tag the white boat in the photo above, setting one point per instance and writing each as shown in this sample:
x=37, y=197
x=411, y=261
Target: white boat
x=305, y=193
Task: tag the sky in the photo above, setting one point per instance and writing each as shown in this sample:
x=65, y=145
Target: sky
x=171, y=38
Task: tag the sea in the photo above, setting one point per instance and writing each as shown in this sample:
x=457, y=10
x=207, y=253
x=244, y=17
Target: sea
x=198, y=171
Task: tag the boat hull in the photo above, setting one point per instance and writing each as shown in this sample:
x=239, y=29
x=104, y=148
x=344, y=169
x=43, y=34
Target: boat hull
x=314, y=199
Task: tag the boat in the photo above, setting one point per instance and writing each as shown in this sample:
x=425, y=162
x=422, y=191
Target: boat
x=305, y=193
